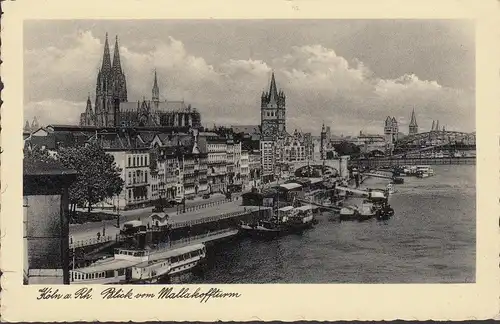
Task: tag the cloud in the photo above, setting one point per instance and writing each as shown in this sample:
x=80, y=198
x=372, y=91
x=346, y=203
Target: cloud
x=321, y=86
x=54, y=111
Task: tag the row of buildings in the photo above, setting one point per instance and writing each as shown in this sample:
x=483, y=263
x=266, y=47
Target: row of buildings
x=154, y=163
x=164, y=151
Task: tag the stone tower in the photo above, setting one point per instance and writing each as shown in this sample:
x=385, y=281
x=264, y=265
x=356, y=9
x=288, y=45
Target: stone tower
x=111, y=88
x=413, y=128
x=88, y=117
x=273, y=112
x=391, y=129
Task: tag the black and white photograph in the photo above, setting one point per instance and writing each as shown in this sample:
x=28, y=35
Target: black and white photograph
x=249, y=151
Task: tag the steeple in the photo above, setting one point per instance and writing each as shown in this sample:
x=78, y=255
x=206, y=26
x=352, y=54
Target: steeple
x=34, y=124
x=117, y=67
x=27, y=127
x=413, y=127
x=433, y=125
x=273, y=90
x=106, y=59
x=413, y=121
x=437, y=125
x=88, y=109
x=156, y=90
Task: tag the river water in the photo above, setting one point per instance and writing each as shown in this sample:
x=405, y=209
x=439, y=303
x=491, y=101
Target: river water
x=430, y=239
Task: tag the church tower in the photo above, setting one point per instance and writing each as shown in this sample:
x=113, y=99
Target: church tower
x=111, y=88
x=273, y=112
x=413, y=128
x=88, y=117
x=156, y=91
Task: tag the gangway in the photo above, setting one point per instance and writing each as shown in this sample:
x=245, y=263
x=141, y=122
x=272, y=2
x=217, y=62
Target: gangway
x=377, y=175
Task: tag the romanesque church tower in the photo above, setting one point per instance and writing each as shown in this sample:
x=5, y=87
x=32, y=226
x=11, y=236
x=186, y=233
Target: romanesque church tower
x=391, y=129
x=273, y=112
x=111, y=88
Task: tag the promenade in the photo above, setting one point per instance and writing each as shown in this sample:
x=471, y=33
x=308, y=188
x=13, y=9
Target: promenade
x=89, y=230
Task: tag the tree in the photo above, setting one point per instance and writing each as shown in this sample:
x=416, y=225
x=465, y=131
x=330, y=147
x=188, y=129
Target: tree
x=98, y=176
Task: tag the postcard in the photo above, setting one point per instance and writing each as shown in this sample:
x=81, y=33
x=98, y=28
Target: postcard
x=251, y=160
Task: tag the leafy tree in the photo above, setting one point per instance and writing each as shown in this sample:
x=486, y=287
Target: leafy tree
x=98, y=176
x=37, y=154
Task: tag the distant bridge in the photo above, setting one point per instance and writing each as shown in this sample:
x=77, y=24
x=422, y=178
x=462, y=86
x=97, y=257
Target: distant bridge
x=438, y=137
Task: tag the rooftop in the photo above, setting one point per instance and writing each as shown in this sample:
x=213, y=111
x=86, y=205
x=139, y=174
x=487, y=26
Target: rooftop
x=32, y=167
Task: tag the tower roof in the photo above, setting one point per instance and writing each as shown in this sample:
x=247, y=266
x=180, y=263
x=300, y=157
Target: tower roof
x=413, y=121
x=273, y=90
x=117, y=67
x=89, y=105
x=106, y=58
x=155, y=83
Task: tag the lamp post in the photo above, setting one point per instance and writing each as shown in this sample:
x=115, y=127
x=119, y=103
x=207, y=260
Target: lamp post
x=118, y=212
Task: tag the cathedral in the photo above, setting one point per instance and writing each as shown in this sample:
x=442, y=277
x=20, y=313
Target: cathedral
x=112, y=108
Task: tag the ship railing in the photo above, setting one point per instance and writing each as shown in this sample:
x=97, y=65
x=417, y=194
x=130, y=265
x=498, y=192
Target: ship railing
x=209, y=219
x=207, y=205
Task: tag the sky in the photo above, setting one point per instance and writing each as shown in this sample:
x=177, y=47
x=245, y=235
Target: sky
x=348, y=74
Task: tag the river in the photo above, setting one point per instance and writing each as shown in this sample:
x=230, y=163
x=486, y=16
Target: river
x=430, y=239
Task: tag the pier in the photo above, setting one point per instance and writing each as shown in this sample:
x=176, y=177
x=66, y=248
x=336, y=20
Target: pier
x=196, y=225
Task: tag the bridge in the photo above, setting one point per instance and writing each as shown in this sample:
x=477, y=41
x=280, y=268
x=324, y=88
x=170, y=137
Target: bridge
x=457, y=140
x=338, y=166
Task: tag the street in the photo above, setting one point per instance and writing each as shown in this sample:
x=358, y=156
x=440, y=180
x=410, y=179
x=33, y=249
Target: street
x=89, y=230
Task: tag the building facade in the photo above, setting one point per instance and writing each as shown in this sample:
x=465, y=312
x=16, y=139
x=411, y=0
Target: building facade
x=217, y=162
x=245, y=168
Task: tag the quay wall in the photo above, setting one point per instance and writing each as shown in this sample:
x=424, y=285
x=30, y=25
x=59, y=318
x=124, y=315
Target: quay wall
x=414, y=161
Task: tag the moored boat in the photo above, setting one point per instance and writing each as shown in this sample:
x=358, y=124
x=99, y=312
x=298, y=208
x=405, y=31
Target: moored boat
x=174, y=263
x=348, y=213
x=264, y=228
x=366, y=211
x=301, y=218
x=424, y=171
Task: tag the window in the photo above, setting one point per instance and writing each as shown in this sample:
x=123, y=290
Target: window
x=129, y=164
x=129, y=194
x=134, y=161
x=130, y=178
x=142, y=161
x=146, y=160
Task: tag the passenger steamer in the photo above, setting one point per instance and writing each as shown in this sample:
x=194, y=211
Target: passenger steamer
x=177, y=262
x=136, y=265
